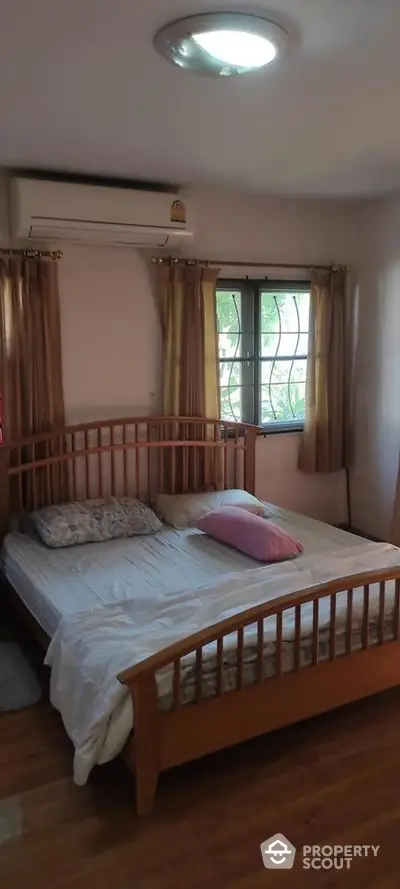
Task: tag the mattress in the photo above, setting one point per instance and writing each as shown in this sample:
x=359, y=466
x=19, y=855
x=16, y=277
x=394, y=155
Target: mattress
x=59, y=583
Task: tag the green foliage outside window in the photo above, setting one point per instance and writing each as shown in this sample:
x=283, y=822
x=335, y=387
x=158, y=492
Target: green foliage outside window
x=282, y=348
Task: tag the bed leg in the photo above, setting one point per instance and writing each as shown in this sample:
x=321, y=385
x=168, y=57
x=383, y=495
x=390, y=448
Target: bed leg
x=145, y=741
x=146, y=786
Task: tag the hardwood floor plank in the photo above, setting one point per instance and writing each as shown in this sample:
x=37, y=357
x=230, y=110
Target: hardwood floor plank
x=332, y=780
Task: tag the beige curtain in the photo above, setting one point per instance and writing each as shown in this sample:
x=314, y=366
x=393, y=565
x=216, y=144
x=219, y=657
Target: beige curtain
x=30, y=352
x=324, y=445
x=190, y=359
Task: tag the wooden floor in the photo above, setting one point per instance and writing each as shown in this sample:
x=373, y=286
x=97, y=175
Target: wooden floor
x=335, y=780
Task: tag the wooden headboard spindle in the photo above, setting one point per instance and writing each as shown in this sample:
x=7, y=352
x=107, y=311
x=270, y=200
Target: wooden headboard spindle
x=140, y=456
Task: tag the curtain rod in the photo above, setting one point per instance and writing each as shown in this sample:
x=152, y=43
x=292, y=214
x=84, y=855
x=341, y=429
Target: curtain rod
x=172, y=260
x=30, y=253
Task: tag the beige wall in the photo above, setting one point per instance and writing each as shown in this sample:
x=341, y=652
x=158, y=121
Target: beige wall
x=110, y=334
x=111, y=337
x=377, y=383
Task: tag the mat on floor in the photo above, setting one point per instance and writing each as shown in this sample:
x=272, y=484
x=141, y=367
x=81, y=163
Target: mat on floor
x=19, y=686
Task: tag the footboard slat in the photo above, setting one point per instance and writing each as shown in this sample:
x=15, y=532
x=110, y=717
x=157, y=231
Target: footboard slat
x=260, y=650
x=199, y=668
x=220, y=663
x=279, y=621
x=315, y=634
x=365, y=627
x=349, y=622
x=297, y=637
x=396, y=613
x=240, y=658
x=332, y=629
x=176, y=690
x=381, y=627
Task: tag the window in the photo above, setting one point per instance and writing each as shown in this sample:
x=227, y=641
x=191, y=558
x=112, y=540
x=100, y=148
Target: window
x=263, y=343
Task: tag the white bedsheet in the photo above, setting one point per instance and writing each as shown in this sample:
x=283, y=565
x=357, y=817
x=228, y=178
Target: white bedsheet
x=89, y=649
x=59, y=583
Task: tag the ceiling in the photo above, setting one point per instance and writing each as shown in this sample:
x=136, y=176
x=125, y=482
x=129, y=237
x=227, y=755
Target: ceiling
x=83, y=90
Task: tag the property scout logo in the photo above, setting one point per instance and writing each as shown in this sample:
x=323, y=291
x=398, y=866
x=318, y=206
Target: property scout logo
x=279, y=854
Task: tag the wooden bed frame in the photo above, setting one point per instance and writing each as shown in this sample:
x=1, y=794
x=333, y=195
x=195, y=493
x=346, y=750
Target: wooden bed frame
x=141, y=457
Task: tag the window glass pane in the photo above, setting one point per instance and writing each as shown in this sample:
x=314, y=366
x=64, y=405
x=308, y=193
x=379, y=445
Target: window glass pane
x=234, y=404
x=284, y=371
x=278, y=362
x=284, y=344
x=284, y=320
x=284, y=323
x=235, y=320
x=231, y=390
x=272, y=307
x=283, y=390
x=236, y=393
x=303, y=305
x=229, y=321
x=287, y=311
x=282, y=403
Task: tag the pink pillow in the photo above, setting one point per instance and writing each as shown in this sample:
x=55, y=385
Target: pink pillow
x=249, y=533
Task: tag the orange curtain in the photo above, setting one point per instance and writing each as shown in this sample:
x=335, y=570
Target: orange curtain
x=187, y=305
x=324, y=445
x=30, y=352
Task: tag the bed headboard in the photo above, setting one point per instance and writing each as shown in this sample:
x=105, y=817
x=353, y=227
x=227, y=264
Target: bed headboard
x=140, y=456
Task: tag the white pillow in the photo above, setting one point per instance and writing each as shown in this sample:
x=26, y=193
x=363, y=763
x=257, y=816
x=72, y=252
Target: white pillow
x=185, y=510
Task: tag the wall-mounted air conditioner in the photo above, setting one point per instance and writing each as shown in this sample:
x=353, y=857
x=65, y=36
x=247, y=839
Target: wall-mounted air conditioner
x=44, y=210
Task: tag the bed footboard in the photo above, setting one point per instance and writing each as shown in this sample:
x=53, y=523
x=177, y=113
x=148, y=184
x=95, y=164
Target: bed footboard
x=352, y=654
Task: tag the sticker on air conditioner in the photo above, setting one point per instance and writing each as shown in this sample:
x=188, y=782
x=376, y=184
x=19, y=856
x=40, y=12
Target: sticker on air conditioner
x=178, y=212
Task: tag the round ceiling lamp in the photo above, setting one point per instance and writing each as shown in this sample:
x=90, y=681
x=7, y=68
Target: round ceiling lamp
x=222, y=43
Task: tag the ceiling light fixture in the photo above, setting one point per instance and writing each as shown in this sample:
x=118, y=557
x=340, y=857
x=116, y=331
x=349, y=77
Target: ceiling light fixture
x=222, y=43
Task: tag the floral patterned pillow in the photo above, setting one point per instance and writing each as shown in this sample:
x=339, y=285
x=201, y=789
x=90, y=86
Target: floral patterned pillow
x=69, y=524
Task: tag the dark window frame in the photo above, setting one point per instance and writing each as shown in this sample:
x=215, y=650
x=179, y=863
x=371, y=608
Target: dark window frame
x=251, y=359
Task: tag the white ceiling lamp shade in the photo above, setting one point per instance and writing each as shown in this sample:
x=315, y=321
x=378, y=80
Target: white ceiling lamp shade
x=222, y=43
